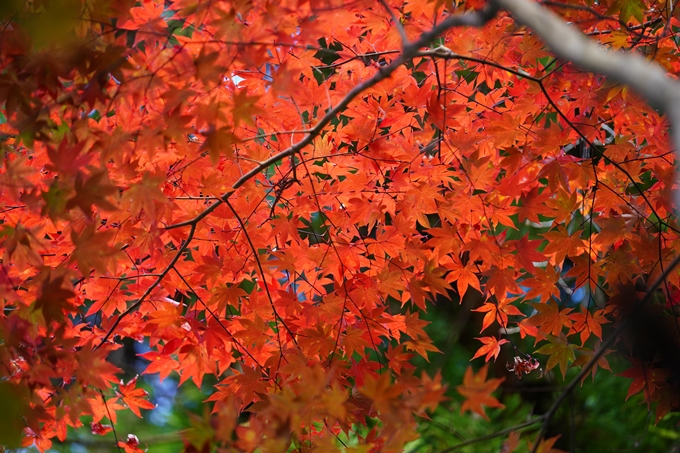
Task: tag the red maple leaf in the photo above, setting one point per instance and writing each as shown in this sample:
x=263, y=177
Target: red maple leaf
x=492, y=347
x=134, y=397
x=131, y=445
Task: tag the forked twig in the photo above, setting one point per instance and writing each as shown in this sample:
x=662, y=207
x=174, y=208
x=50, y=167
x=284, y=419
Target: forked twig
x=410, y=51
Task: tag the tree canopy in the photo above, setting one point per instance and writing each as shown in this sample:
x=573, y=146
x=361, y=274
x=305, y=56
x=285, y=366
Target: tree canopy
x=271, y=196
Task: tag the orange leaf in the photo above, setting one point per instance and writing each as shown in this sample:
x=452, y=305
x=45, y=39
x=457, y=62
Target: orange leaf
x=492, y=347
x=644, y=376
x=587, y=323
x=562, y=244
x=135, y=398
x=543, y=284
x=219, y=142
x=550, y=319
x=546, y=446
x=352, y=340
x=477, y=391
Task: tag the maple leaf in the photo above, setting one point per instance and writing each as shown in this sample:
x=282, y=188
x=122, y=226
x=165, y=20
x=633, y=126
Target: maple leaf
x=352, y=340
x=527, y=252
x=532, y=204
x=17, y=174
x=562, y=244
x=148, y=21
x=550, y=319
x=53, y=300
x=586, y=323
x=414, y=326
x=93, y=367
x=585, y=355
x=563, y=205
x=145, y=194
x=21, y=246
x=421, y=346
x=244, y=107
x=465, y=277
x=381, y=390
x=613, y=231
x=104, y=408
x=492, y=347
x=560, y=351
x=56, y=198
x=93, y=250
x=627, y=8
x=93, y=192
x=544, y=284
x=546, y=446
x=498, y=312
x=67, y=159
x=511, y=443
x=161, y=362
x=206, y=68
x=41, y=442
x=133, y=397
x=398, y=359
x=503, y=281
x=442, y=117
x=584, y=269
x=194, y=363
x=418, y=294
x=477, y=391
x=645, y=377
x=219, y=143
x=434, y=279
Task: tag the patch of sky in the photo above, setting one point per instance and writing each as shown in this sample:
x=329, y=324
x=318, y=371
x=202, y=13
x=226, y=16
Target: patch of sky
x=165, y=393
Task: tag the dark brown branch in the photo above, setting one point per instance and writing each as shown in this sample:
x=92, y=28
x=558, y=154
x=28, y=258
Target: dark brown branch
x=651, y=289
x=277, y=317
x=547, y=416
x=445, y=53
x=475, y=19
x=148, y=291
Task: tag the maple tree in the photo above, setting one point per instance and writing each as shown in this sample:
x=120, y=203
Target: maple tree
x=273, y=194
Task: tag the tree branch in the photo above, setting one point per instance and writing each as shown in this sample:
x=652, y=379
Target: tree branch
x=629, y=68
x=502, y=432
x=547, y=416
x=474, y=19
x=651, y=289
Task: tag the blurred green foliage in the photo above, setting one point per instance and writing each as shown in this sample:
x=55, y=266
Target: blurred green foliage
x=595, y=418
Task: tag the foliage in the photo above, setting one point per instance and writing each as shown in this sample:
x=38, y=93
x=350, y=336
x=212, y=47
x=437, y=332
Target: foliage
x=270, y=196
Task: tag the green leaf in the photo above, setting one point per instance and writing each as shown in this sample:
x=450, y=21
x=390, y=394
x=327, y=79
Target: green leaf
x=560, y=352
x=627, y=8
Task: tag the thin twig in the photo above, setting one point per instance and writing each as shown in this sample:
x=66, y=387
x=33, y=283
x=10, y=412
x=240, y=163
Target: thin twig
x=547, y=416
x=397, y=23
x=148, y=291
x=603, y=348
x=113, y=426
x=647, y=78
x=502, y=432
